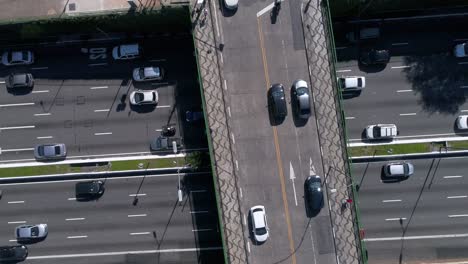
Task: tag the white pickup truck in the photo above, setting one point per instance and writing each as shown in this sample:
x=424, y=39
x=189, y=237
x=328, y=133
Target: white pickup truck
x=381, y=131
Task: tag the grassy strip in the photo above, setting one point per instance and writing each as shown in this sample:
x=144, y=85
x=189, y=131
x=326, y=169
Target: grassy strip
x=92, y=167
x=393, y=149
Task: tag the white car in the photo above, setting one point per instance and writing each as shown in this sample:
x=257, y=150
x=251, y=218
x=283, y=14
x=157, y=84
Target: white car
x=462, y=122
x=352, y=82
x=148, y=74
x=31, y=233
x=461, y=50
x=381, y=131
x=231, y=4
x=12, y=58
x=398, y=169
x=126, y=52
x=140, y=97
x=259, y=223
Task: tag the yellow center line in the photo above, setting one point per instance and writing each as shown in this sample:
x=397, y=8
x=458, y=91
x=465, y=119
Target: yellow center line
x=278, y=152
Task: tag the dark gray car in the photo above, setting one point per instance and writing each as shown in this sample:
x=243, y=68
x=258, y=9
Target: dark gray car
x=89, y=190
x=50, y=151
x=301, y=99
x=19, y=80
x=13, y=254
x=313, y=195
x=373, y=56
x=165, y=143
x=277, y=102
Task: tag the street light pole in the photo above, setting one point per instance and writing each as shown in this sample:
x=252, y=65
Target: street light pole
x=179, y=190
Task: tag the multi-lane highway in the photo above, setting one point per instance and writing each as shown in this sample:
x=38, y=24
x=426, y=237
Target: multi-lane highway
x=80, y=98
x=273, y=162
x=431, y=204
x=422, y=89
x=114, y=229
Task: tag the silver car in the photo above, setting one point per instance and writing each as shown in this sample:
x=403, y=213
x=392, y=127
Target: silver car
x=148, y=74
x=144, y=97
x=50, y=151
x=301, y=101
x=31, y=233
x=12, y=58
x=398, y=169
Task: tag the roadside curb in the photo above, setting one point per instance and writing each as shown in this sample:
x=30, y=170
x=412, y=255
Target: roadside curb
x=94, y=175
x=427, y=155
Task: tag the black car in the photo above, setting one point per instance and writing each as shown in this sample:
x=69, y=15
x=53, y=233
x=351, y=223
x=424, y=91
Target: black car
x=277, y=102
x=373, y=56
x=13, y=254
x=89, y=190
x=19, y=80
x=313, y=195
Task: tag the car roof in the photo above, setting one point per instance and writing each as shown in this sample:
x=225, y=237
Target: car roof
x=19, y=78
x=152, y=71
x=129, y=49
x=397, y=168
x=258, y=215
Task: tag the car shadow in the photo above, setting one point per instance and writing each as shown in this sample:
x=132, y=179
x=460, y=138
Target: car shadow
x=31, y=241
x=19, y=91
x=371, y=68
x=142, y=109
x=350, y=94
x=459, y=132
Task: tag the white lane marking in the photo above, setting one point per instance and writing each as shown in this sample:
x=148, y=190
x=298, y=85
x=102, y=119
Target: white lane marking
x=15, y=202
x=20, y=104
x=401, y=67
x=71, y=199
x=40, y=68
x=97, y=64
x=160, y=83
x=350, y=117
x=154, y=60
x=233, y=139
x=158, y=130
x=12, y=240
x=404, y=91
x=237, y=165
x=462, y=39
x=391, y=201
x=460, y=215
x=17, y=222
x=456, y=197
x=264, y=10
x=75, y=219
x=103, y=133
x=163, y=106
x=464, y=111
x=99, y=87
x=414, y=237
x=395, y=219
x=137, y=194
x=45, y=137
x=138, y=215
x=244, y=219
x=102, y=110
x=340, y=48
x=451, y=177
x=198, y=191
x=40, y=91
x=2, y=81
x=229, y=111
x=463, y=62
x=198, y=212
x=225, y=85
x=201, y=230
x=400, y=44
x=18, y=127
x=140, y=233
x=240, y=192
x=343, y=71
x=408, y=114
x=43, y=114
x=174, y=250
x=464, y=86
x=72, y=237
x=15, y=150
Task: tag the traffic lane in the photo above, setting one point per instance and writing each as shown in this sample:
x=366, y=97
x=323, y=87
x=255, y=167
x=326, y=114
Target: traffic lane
x=189, y=255
x=418, y=250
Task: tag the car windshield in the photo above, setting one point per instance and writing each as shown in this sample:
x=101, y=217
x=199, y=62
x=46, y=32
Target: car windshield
x=301, y=91
x=141, y=72
x=406, y=169
x=40, y=149
x=154, y=97
x=25, y=55
x=277, y=94
x=465, y=47
x=376, y=131
x=139, y=97
x=10, y=56
x=35, y=231
x=305, y=111
x=359, y=81
x=261, y=231
x=57, y=150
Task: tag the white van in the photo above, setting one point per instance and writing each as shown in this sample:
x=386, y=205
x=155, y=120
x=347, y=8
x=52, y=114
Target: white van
x=126, y=52
x=364, y=34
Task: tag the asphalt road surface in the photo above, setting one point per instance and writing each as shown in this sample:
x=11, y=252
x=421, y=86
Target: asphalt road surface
x=431, y=204
x=272, y=162
x=112, y=229
x=422, y=89
x=81, y=98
